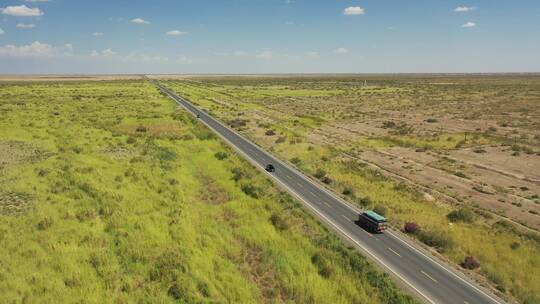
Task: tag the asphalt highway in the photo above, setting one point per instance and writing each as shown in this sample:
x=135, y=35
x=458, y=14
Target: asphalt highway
x=432, y=280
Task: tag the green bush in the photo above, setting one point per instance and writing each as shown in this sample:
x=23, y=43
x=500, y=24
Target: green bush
x=461, y=215
x=251, y=190
x=436, y=239
x=221, y=155
x=320, y=173
x=380, y=209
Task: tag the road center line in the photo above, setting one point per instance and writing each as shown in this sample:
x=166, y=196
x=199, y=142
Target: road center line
x=430, y=277
x=395, y=252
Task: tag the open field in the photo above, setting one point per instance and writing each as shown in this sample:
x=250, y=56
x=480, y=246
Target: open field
x=110, y=194
x=423, y=149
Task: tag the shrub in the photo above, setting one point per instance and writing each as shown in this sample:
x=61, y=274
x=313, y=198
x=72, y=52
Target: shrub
x=515, y=245
x=380, y=209
x=462, y=215
x=221, y=155
x=411, y=227
x=323, y=265
x=432, y=120
x=44, y=223
x=270, y=133
x=364, y=201
x=141, y=129
x=236, y=123
x=279, y=222
x=131, y=140
x=348, y=191
x=237, y=174
x=436, y=239
x=251, y=190
x=320, y=173
x=470, y=262
x=281, y=139
x=296, y=160
x=460, y=174
x=327, y=180
x=479, y=150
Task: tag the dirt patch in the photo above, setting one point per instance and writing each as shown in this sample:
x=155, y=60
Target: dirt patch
x=251, y=260
x=505, y=195
x=12, y=203
x=212, y=193
x=17, y=152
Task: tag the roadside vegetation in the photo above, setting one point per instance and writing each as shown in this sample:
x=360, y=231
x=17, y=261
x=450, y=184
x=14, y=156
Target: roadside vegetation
x=110, y=194
x=350, y=138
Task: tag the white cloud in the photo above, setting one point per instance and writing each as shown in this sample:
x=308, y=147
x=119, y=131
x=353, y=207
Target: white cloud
x=354, y=10
x=21, y=11
x=175, y=33
x=36, y=49
x=469, y=24
x=104, y=53
x=265, y=55
x=68, y=46
x=97, y=34
x=37, y=1
x=290, y=23
x=107, y=53
x=2, y=31
x=24, y=25
x=139, y=21
x=341, y=50
x=463, y=9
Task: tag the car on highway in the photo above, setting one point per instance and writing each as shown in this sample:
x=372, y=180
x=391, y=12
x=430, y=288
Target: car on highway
x=198, y=115
x=270, y=168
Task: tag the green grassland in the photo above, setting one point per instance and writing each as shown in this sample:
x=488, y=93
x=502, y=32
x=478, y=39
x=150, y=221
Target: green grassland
x=110, y=194
x=504, y=252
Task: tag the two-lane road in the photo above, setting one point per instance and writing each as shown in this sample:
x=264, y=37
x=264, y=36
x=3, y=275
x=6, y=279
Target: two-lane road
x=432, y=280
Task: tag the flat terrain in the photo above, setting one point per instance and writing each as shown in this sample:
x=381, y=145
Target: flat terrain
x=418, y=148
x=110, y=194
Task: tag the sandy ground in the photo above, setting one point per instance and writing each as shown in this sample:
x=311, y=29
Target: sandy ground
x=487, y=188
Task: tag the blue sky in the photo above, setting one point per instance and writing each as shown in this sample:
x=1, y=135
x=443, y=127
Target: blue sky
x=304, y=36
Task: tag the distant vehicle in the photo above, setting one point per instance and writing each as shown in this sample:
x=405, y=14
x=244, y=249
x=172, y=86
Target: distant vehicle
x=270, y=168
x=372, y=221
x=198, y=115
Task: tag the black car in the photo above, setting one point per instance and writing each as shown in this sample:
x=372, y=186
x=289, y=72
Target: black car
x=198, y=115
x=270, y=168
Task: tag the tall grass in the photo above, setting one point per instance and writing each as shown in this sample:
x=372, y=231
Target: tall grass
x=121, y=214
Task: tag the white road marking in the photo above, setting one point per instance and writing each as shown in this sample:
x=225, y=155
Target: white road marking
x=430, y=277
x=395, y=252
x=346, y=217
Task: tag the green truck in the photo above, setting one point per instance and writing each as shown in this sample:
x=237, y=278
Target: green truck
x=372, y=221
